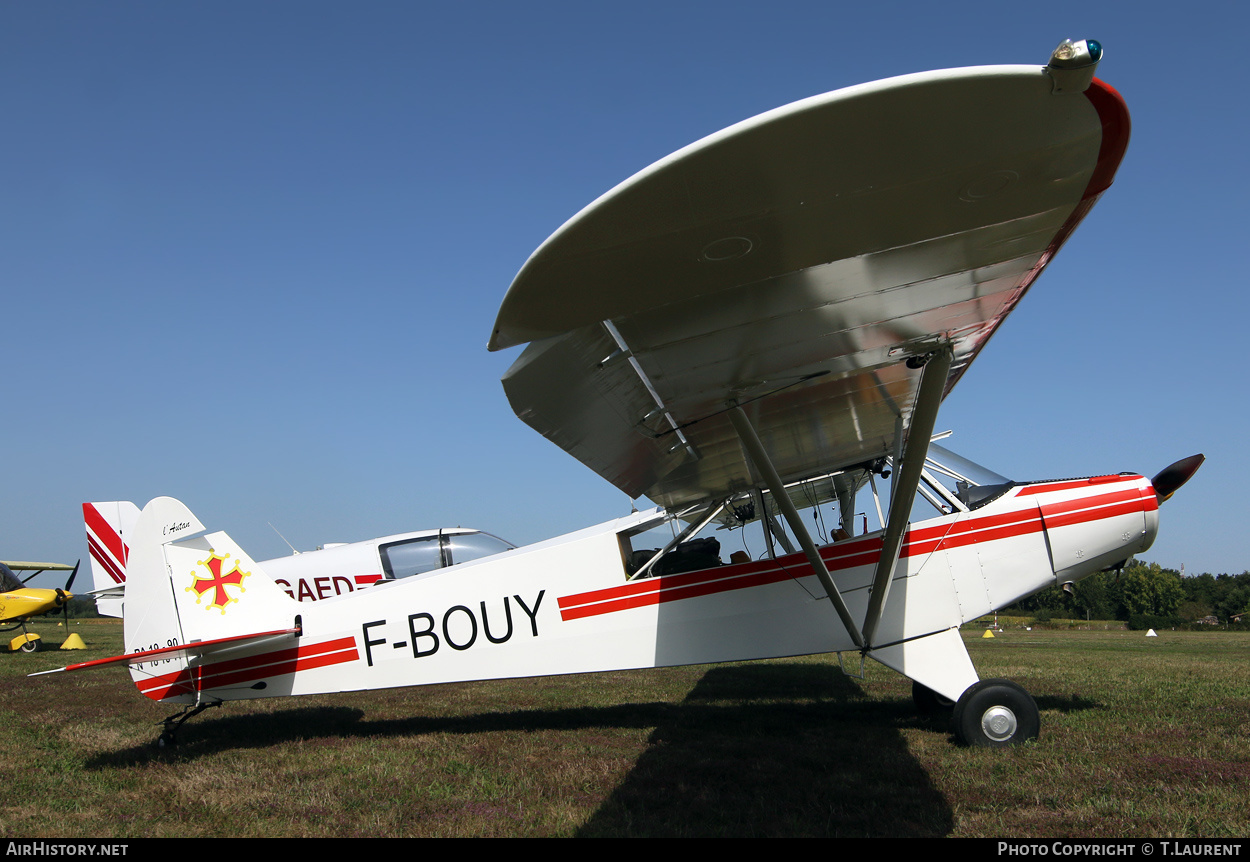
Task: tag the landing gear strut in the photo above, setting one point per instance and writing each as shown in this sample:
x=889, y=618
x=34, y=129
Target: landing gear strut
x=26, y=642
x=995, y=713
x=168, y=737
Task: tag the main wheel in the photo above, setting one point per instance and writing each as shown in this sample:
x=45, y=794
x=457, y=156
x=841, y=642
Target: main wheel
x=30, y=646
x=996, y=713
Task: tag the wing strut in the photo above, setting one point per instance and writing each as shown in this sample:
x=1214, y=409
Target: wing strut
x=755, y=450
x=692, y=528
x=906, y=481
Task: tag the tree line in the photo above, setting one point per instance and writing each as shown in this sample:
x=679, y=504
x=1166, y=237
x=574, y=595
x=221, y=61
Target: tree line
x=1146, y=595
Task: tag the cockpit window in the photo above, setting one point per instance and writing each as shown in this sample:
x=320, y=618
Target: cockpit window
x=969, y=482
x=417, y=556
x=412, y=557
x=8, y=580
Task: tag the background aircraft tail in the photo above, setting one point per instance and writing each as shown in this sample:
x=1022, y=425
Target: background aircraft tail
x=109, y=528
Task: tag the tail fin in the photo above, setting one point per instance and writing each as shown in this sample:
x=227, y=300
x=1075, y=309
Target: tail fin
x=184, y=589
x=109, y=529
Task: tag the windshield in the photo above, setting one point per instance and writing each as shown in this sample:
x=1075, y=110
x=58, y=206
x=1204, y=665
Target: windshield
x=8, y=580
x=970, y=483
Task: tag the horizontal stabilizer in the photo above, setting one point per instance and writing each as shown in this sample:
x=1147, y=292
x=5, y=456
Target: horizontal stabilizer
x=188, y=651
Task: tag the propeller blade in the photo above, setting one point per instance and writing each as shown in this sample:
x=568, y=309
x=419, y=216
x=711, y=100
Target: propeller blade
x=72, y=575
x=1171, y=477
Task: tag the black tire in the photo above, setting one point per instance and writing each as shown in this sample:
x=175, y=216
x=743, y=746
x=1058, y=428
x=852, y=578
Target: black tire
x=929, y=701
x=996, y=713
x=30, y=646
x=166, y=740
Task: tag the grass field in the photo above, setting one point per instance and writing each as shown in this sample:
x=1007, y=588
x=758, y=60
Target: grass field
x=1140, y=738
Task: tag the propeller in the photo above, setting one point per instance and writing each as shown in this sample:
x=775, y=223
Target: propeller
x=64, y=595
x=1171, y=477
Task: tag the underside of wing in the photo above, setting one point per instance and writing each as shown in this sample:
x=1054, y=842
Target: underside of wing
x=24, y=566
x=792, y=265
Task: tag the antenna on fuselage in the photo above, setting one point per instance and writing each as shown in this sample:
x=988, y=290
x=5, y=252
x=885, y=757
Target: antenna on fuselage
x=283, y=538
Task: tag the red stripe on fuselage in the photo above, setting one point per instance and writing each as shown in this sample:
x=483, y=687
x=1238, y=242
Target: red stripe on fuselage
x=855, y=553
x=1069, y=484
x=251, y=669
x=1069, y=512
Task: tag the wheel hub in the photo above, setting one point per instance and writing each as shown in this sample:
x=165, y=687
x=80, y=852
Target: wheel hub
x=999, y=723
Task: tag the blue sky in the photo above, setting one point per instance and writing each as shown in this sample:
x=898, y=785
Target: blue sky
x=250, y=253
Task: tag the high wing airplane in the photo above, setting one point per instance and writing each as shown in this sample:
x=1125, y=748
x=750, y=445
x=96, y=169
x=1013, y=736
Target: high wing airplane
x=308, y=576
x=766, y=319
x=19, y=603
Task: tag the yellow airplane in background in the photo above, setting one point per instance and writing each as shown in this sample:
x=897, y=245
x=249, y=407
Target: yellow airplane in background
x=18, y=602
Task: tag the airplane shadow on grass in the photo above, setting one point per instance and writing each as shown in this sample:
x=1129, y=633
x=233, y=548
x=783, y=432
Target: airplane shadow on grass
x=777, y=750
x=768, y=749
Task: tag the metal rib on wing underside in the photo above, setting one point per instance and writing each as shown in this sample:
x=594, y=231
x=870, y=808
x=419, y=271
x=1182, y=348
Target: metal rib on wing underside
x=595, y=413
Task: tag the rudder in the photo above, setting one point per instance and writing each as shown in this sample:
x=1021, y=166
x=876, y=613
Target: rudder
x=109, y=529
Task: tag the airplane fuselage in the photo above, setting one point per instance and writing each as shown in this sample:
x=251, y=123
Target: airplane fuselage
x=565, y=605
x=16, y=605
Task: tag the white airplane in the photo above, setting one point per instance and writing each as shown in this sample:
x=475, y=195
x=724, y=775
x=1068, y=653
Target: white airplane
x=310, y=576
x=770, y=315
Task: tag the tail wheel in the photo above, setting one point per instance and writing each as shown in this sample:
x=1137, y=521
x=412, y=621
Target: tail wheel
x=996, y=713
